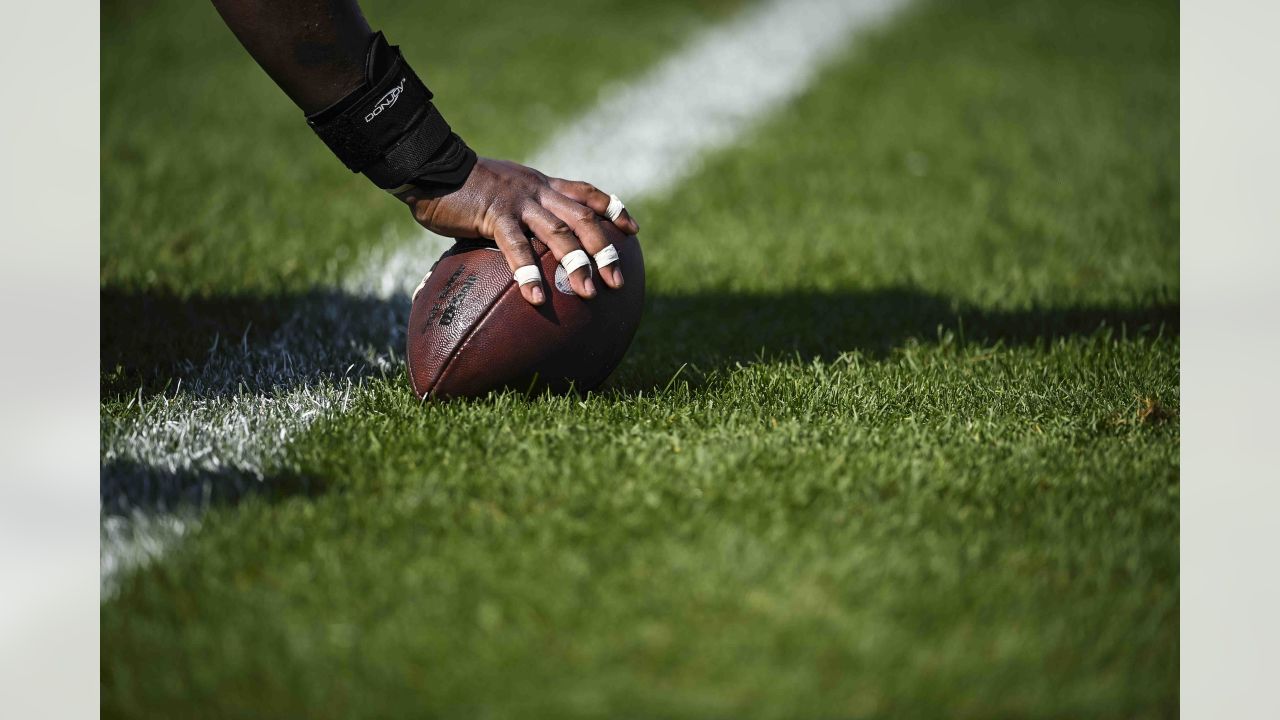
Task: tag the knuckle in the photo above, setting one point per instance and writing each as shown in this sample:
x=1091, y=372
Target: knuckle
x=494, y=217
x=512, y=242
x=519, y=185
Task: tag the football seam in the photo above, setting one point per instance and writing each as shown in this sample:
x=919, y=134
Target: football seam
x=462, y=344
x=466, y=339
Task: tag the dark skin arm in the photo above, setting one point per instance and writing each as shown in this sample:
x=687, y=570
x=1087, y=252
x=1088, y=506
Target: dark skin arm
x=315, y=51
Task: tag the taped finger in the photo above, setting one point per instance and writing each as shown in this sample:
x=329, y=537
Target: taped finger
x=519, y=255
x=615, y=208
x=527, y=274
x=607, y=256
x=574, y=260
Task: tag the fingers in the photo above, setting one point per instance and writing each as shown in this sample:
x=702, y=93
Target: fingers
x=519, y=254
x=591, y=231
x=588, y=195
x=558, y=236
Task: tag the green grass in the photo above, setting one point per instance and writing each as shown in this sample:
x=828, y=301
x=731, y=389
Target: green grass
x=899, y=436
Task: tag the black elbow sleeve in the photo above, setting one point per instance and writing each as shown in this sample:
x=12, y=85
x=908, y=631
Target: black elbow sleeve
x=389, y=130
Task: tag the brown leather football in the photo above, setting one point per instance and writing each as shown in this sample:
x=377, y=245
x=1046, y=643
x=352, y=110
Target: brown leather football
x=471, y=331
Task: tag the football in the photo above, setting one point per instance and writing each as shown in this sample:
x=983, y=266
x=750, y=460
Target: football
x=471, y=331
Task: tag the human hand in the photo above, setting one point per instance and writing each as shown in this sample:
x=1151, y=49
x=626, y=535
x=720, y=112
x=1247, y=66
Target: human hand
x=500, y=199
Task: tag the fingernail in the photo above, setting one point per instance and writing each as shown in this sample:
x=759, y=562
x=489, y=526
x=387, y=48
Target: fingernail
x=536, y=294
x=589, y=287
x=617, y=277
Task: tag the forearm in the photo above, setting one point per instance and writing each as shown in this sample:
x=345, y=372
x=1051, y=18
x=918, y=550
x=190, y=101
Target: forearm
x=313, y=49
x=356, y=90
x=372, y=110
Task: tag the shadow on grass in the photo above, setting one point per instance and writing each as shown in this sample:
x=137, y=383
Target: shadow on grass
x=715, y=331
x=128, y=487
x=219, y=346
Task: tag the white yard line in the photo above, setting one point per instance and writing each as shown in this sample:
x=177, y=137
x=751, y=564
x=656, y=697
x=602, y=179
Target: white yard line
x=641, y=138
x=132, y=541
x=646, y=136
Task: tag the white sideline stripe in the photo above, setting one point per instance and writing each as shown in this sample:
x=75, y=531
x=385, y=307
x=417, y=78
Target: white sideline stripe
x=641, y=138
x=135, y=541
x=397, y=270
x=645, y=136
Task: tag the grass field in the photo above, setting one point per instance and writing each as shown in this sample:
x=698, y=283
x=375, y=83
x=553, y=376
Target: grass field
x=898, y=437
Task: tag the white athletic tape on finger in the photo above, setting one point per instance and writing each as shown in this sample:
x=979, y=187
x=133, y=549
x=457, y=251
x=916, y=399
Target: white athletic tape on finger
x=607, y=256
x=526, y=274
x=615, y=208
x=574, y=260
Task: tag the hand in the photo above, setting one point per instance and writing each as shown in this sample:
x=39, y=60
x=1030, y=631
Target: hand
x=500, y=199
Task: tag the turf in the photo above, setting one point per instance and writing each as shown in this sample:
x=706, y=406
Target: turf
x=899, y=436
